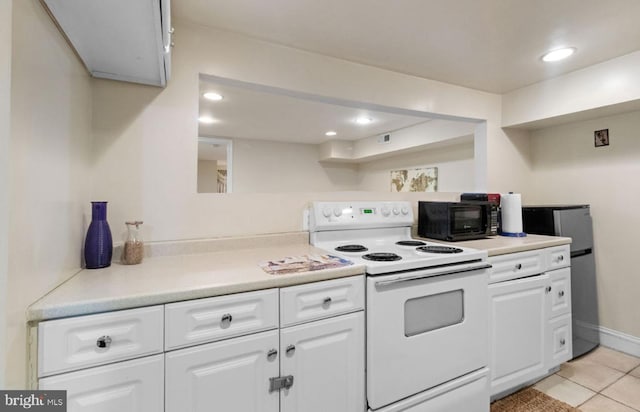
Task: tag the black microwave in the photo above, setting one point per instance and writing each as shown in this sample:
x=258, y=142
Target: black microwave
x=454, y=221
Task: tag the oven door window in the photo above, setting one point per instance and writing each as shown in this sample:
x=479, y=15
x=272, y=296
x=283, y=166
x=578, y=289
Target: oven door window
x=428, y=313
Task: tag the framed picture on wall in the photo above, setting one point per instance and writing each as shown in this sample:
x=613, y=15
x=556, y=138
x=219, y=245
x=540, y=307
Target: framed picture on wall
x=415, y=180
x=601, y=137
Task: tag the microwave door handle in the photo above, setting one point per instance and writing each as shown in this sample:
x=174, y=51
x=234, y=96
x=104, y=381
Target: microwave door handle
x=429, y=275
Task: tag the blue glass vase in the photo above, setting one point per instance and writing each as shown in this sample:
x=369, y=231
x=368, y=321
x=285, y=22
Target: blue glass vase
x=98, y=246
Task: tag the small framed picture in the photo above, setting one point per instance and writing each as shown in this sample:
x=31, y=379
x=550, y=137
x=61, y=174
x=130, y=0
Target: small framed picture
x=601, y=137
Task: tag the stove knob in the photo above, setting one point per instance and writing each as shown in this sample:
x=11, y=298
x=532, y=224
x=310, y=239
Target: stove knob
x=405, y=210
x=396, y=211
x=326, y=212
x=385, y=211
x=337, y=212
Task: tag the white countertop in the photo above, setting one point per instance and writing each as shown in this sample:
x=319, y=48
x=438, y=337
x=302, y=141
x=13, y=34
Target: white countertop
x=167, y=279
x=501, y=245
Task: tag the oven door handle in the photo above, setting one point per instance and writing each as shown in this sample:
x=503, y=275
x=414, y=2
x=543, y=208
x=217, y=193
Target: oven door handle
x=429, y=275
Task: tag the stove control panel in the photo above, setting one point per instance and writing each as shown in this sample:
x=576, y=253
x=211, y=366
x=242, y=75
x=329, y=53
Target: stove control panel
x=359, y=215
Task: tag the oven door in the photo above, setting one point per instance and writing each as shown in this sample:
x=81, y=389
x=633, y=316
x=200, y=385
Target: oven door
x=424, y=328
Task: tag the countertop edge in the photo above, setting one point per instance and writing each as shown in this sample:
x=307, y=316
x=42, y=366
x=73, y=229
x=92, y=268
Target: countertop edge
x=523, y=248
x=39, y=314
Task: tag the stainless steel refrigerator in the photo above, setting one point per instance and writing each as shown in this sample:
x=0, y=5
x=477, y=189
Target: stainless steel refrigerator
x=573, y=221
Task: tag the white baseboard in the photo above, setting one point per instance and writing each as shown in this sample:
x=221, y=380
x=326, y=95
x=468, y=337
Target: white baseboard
x=608, y=337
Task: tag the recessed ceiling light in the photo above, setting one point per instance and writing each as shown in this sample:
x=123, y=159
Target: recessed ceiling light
x=558, y=54
x=206, y=119
x=330, y=133
x=364, y=120
x=213, y=96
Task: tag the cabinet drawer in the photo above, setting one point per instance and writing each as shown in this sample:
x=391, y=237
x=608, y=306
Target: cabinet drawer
x=560, y=291
x=207, y=320
x=516, y=265
x=132, y=386
x=558, y=257
x=560, y=348
x=73, y=343
x=321, y=299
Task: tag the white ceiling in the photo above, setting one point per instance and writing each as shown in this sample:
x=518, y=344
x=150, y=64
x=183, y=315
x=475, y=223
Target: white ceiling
x=492, y=45
x=254, y=114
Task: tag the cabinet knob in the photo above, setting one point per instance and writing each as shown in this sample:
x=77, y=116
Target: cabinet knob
x=560, y=258
x=518, y=266
x=226, y=320
x=291, y=349
x=104, y=342
x=548, y=289
x=561, y=293
x=562, y=341
x=326, y=301
x=272, y=354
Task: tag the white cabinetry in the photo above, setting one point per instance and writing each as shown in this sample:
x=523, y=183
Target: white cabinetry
x=231, y=375
x=119, y=39
x=529, y=316
x=326, y=359
x=317, y=364
x=224, y=353
x=131, y=386
x=517, y=331
x=559, y=341
x=74, y=343
x=67, y=345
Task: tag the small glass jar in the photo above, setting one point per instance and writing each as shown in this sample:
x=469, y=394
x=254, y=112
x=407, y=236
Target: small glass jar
x=133, y=250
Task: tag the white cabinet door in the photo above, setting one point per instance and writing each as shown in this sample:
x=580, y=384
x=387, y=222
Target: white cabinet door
x=326, y=359
x=517, y=325
x=131, y=386
x=231, y=375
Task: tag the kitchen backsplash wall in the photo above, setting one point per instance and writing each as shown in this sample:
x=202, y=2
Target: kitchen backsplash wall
x=153, y=133
x=50, y=169
x=567, y=168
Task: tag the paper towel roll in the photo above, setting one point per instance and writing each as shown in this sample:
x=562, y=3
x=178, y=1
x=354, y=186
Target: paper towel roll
x=511, y=205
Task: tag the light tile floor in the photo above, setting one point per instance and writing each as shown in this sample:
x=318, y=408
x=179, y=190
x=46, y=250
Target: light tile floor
x=601, y=381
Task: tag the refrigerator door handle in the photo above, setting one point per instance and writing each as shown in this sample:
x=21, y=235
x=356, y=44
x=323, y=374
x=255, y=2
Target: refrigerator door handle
x=582, y=252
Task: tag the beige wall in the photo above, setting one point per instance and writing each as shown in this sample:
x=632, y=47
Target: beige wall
x=455, y=168
x=567, y=168
x=612, y=83
x=207, y=176
x=5, y=133
x=278, y=167
x=50, y=155
x=154, y=131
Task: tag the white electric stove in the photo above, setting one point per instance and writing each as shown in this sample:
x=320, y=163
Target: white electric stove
x=426, y=308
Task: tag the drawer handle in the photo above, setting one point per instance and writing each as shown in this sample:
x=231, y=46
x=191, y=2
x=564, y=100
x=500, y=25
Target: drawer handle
x=326, y=301
x=104, y=342
x=227, y=318
x=562, y=341
x=291, y=349
x=272, y=354
x=560, y=258
x=519, y=266
x=548, y=289
x=561, y=293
